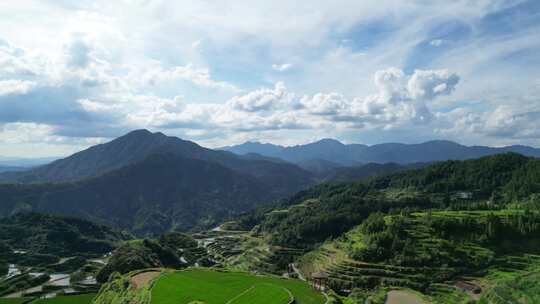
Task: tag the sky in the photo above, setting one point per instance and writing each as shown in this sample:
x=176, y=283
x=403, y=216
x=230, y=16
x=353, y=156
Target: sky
x=78, y=73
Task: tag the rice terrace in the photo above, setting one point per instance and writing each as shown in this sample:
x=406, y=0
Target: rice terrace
x=230, y=287
x=198, y=285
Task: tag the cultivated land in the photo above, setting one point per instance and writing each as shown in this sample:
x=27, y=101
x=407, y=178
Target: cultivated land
x=214, y=287
x=78, y=299
x=13, y=301
x=403, y=297
x=508, y=276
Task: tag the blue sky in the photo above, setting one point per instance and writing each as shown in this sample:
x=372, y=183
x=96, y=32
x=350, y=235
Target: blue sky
x=77, y=73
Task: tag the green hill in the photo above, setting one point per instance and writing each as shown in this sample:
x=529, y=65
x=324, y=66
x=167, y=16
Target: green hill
x=30, y=236
x=172, y=250
x=328, y=210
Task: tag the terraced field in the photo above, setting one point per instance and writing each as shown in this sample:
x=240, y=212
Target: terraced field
x=77, y=299
x=213, y=287
x=245, y=252
x=439, y=283
x=345, y=273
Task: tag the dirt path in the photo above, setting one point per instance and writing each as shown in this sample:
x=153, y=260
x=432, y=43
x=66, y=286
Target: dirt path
x=300, y=275
x=141, y=279
x=403, y=297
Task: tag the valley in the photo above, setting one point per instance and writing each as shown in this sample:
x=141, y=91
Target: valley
x=174, y=228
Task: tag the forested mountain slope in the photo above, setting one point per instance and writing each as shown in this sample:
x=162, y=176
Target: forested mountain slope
x=31, y=240
x=328, y=210
x=449, y=231
x=162, y=192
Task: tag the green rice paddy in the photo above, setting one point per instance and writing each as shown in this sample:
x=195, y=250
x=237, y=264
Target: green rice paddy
x=214, y=287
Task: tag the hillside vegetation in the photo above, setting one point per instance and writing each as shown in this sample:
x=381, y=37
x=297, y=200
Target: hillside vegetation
x=171, y=250
x=429, y=229
x=30, y=237
x=328, y=210
x=149, y=183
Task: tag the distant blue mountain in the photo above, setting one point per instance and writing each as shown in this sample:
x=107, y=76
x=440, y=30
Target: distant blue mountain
x=25, y=162
x=331, y=150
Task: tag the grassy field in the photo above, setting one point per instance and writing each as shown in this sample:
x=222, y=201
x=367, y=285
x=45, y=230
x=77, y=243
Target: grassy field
x=79, y=299
x=263, y=293
x=13, y=301
x=212, y=287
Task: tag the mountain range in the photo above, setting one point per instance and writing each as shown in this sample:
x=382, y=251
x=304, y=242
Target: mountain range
x=137, y=145
x=331, y=150
x=148, y=183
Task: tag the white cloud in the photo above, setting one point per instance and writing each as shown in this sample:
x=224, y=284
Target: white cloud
x=16, y=62
x=96, y=69
x=26, y=133
x=96, y=107
x=14, y=87
x=509, y=122
x=325, y=104
x=198, y=76
x=262, y=99
x=503, y=125
x=400, y=101
x=429, y=84
x=22, y=139
x=282, y=67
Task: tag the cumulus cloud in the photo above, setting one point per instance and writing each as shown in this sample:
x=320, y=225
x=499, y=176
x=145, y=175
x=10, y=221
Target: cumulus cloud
x=429, y=84
x=89, y=98
x=261, y=99
x=507, y=121
x=325, y=104
x=400, y=99
x=504, y=124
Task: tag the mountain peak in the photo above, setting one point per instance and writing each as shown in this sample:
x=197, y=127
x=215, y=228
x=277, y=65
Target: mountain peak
x=141, y=135
x=139, y=132
x=329, y=141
